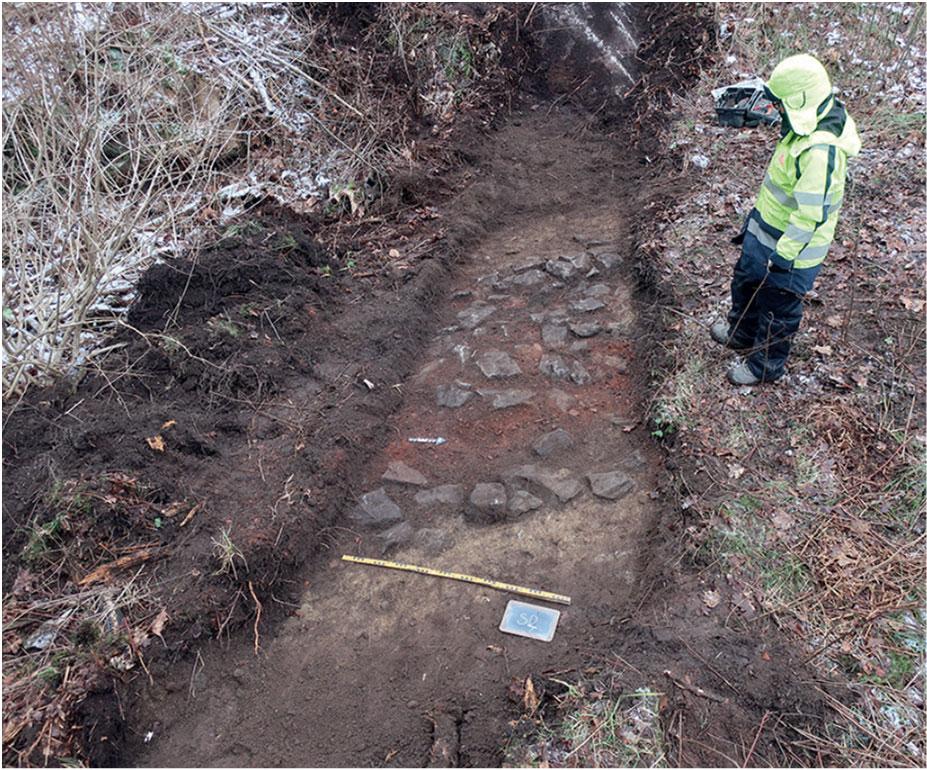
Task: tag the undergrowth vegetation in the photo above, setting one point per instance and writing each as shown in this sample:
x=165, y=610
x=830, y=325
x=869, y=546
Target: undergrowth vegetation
x=809, y=494
x=131, y=133
x=80, y=609
x=595, y=722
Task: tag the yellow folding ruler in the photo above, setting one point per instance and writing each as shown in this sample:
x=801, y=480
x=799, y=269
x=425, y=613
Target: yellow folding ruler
x=521, y=590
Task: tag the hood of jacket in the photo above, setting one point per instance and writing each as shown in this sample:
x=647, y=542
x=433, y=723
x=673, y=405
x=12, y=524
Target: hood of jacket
x=802, y=85
x=835, y=127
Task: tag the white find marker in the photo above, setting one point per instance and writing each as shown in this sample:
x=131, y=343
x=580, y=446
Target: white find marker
x=531, y=620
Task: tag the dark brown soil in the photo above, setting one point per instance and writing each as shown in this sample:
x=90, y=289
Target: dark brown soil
x=293, y=376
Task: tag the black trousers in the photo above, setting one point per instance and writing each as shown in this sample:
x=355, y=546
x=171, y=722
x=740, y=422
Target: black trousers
x=763, y=320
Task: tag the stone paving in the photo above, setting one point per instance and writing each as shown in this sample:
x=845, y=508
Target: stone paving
x=533, y=339
x=541, y=478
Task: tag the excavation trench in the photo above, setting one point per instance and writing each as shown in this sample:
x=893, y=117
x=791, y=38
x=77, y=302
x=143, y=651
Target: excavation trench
x=538, y=330
x=529, y=354
x=538, y=336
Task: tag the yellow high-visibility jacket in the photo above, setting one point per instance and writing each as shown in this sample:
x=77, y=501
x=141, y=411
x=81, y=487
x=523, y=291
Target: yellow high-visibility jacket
x=803, y=189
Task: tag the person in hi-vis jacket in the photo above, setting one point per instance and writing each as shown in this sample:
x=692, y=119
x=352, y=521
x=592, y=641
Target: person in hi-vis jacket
x=787, y=234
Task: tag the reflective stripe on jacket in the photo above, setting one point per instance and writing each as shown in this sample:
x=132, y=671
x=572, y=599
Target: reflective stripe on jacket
x=803, y=189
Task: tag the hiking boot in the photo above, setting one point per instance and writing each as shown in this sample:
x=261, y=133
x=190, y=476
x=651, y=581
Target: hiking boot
x=721, y=333
x=740, y=374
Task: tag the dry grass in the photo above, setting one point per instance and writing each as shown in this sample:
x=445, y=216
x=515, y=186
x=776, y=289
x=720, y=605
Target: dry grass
x=109, y=142
x=80, y=611
x=592, y=723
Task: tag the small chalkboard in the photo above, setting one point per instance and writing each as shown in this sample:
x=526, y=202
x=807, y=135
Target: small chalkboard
x=529, y=620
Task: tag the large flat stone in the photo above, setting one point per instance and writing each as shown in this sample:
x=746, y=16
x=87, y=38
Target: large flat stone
x=503, y=399
x=473, y=316
x=587, y=305
x=607, y=259
x=553, y=334
x=445, y=496
x=394, y=537
x=528, y=278
x=560, y=268
x=534, y=264
x=582, y=262
x=554, y=366
x=521, y=502
x=551, y=443
x=585, y=328
x=400, y=473
x=560, y=482
x=612, y=485
x=452, y=396
x=487, y=503
x=598, y=290
x=376, y=509
x=495, y=364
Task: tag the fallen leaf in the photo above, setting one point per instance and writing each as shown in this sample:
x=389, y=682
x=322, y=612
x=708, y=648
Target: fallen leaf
x=782, y=520
x=834, y=321
x=156, y=443
x=530, y=699
x=711, y=598
x=859, y=526
x=169, y=424
x=394, y=253
x=157, y=625
x=914, y=305
x=765, y=656
x=824, y=350
x=173, y=509
x=745, y=606
x=735, y=471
